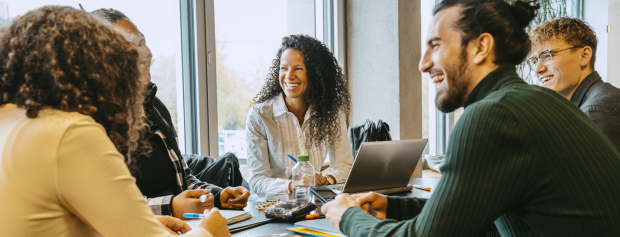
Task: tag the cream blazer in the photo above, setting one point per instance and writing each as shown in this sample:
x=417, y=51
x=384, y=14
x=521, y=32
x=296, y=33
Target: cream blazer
x=60, y=175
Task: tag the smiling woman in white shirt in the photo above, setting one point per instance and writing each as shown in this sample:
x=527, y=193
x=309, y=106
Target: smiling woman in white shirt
x=71, y=95
x=301, y=110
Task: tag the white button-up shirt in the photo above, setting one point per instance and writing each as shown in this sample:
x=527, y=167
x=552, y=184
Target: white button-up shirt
x=273, y=132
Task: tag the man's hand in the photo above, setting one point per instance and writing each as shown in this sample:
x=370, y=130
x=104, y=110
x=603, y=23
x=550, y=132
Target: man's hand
x=335, y=209
x=173, y=225
x=189, y=202
x=215, y=223
x=373, y=203
x=234, y=197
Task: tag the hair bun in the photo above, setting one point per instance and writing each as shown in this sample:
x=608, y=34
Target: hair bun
x=524, y=11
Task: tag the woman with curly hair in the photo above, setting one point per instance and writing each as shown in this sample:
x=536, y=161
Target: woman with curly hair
x=71, y=95
x=301, y=109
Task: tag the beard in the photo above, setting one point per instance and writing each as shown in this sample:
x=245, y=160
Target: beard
x=452, y=97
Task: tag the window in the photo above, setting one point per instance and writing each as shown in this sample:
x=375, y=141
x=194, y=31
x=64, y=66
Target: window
x=159, y=21
x=244, y=51
x=245, y=48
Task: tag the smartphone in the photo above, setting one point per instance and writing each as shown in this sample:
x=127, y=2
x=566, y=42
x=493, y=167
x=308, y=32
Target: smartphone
x=323, y=194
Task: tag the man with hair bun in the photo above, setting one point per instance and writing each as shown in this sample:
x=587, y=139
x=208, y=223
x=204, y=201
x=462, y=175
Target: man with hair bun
x=520, y=157
x=563, y=54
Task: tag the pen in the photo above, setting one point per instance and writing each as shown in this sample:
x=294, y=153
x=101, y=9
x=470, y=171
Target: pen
x=290, y=156
x=422, y=187
x=193, y=215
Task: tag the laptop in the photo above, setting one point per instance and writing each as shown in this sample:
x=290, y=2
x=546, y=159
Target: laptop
x=385, y=166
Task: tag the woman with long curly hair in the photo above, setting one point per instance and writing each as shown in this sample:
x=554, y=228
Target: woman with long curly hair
x=71, y=95
x=301, y=109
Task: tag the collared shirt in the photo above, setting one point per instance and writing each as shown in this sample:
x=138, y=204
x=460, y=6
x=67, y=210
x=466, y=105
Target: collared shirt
x=273, y=132
x=601, y=102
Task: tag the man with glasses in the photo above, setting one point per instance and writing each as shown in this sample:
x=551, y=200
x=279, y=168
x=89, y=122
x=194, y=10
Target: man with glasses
x=563, y=54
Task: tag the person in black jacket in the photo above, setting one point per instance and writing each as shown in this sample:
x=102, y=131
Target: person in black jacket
x=164, y=177
x=563, y=54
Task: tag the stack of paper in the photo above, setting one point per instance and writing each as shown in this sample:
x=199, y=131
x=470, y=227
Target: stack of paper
x=319, y=227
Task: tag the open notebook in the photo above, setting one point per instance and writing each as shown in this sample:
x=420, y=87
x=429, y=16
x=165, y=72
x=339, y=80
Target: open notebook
x=239, y=217
x=231, y=216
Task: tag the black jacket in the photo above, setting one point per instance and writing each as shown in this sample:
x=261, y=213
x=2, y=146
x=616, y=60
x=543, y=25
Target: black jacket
x=161, y=120
x=601, y=102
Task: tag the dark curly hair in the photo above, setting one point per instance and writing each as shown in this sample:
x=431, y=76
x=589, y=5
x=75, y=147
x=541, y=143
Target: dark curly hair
x=327, y=90
x=505, y=22
x=69, y=60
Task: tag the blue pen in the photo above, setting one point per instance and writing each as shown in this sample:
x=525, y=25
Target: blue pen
x=193, y=215
x=290, y=156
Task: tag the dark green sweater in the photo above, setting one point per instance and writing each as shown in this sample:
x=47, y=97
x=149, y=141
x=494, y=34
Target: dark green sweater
x=521, y=156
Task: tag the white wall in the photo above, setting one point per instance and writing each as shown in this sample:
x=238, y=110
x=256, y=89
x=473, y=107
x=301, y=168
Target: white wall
x=613, y=56
x=383, y=51
x=300, y=17
x=383, y=54
x=595, y=13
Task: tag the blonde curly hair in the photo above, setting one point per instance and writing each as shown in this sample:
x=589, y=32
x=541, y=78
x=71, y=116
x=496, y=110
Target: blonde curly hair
x=570, y=30
x=69, y=60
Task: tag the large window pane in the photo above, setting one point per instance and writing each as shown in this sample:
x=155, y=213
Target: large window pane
x=159, y=22
x=248, y=34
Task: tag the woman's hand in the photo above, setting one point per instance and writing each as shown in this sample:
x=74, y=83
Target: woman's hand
x=173, y=225
x=320, y=179
x=215, y=223
x=323, y=180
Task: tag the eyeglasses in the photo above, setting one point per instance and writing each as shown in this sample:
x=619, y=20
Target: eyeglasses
x=547, y=56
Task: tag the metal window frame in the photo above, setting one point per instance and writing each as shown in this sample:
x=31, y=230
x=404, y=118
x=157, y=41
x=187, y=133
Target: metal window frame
x=330, y=27
x=188, y=57
x=199, y=77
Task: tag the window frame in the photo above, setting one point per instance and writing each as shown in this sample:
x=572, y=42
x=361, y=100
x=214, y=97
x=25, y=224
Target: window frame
x=199, y=135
